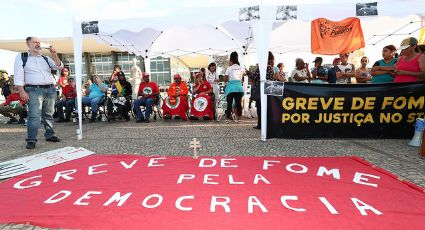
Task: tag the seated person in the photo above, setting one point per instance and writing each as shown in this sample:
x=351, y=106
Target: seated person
x=202, y=104
x=175, y=104
x=121, y=93
x=5, y=84
x=148, y=91
x=69, y=93
x=13, y=104
x=95, y=93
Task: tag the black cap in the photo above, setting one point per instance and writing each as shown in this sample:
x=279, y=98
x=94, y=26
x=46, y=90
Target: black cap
x=318, y=59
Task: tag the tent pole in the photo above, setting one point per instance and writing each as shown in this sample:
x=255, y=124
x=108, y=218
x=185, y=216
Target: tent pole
x=78, y=60
x=262, y=30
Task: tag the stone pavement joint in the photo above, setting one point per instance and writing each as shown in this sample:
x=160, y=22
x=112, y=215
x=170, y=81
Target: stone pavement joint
x=159, y=138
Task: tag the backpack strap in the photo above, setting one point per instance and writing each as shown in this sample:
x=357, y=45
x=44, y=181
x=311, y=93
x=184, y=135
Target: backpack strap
x=24, y=57
x=47, y=60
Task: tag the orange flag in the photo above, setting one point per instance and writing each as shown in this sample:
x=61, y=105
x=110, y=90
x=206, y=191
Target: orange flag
x=329, y=37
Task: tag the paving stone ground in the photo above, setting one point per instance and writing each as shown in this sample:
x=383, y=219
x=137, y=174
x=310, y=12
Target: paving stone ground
x=217, y=139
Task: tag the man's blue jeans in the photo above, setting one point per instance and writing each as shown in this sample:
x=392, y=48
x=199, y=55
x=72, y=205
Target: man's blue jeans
x=92, y=102
x=68, y=104
x=147, y=103
x=41, y=106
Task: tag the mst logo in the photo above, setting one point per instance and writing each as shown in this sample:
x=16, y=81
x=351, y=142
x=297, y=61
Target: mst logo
x=329, y=29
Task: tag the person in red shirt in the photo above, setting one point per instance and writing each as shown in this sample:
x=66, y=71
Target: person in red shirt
x=202, y=105
x=13, y=104
x=410, y=66
x=63, y=79
x=67, y=100
x=176, y=104
x=148, y=91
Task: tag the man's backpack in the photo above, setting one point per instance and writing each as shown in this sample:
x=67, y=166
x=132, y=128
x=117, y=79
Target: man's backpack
x=24, y=57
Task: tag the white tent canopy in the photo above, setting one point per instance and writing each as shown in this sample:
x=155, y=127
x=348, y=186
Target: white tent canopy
x=216, y=31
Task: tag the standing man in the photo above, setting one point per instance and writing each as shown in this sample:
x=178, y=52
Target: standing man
x=36, y=86
x=345, y=72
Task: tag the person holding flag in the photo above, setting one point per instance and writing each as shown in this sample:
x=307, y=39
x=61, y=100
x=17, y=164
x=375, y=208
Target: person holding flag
x=121, y=93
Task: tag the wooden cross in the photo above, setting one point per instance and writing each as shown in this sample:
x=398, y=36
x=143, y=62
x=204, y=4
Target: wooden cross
x=195, y=144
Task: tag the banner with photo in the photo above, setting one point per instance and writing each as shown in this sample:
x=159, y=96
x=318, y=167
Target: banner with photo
x=336, y=37
x=91, y=27
x=249, y=13
x=367, y=9
x=346, y=111
x=286, y=13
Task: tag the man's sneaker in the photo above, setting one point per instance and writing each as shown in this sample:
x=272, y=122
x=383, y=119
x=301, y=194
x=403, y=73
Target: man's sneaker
x=167, y=116
x=21, y=121
x=11, y=121
x=30, y=145
x=53, y=139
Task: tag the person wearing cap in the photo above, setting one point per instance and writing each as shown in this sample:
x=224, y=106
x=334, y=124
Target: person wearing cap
x=147, y=94
x=175, y=105
x=383, y=70
x=67, y=100
x=411, y=66
x=202, y=104
x=345, y=72
x=320, y=74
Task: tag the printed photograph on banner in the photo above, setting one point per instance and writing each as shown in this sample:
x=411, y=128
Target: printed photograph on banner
x=249, y=13
x=91, y=27
x=367, y=9
x=284, y=13
x=274, y=88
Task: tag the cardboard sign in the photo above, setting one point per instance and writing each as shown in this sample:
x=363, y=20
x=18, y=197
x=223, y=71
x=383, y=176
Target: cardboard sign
x=28, y=164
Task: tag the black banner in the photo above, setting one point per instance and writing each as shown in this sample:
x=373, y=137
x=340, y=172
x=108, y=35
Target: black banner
x=346, y=111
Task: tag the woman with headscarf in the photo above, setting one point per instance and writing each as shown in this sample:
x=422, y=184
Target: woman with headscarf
x=121, y=93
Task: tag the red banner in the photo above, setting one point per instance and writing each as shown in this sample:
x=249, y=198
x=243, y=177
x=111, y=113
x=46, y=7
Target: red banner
x=134, y=192
x=330, y=37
